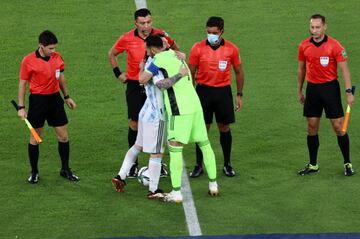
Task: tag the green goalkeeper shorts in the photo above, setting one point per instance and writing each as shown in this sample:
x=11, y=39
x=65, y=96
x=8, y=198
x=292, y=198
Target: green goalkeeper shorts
x=187, y=128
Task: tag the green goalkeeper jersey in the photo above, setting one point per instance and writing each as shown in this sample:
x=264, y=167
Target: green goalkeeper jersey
x=181, y=98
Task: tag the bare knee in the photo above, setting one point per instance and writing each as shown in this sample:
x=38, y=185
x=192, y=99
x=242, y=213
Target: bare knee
x=312, y=129
x=313, y=126
x=62, y=134
x=63, y=138
x=156, y=155
x=175, y=143
x=138, y=147
x=223, y=127
x=133, y=125
x=337, y=126
x=32, y=139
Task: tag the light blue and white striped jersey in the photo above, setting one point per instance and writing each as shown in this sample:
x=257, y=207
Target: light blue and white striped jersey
x=153, y=108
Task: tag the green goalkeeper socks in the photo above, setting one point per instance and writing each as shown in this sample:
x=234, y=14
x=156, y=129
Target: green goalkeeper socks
x=176, y=165
x=209, y=159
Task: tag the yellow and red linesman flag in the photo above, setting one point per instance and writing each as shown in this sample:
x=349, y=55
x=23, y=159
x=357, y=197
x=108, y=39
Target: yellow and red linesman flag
x=32, y=130
x=347, y=114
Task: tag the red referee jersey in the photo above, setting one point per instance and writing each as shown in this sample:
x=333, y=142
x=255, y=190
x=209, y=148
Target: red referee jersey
x=134, y=45
x=321, y=59
x=214, y=66
x=42, y=74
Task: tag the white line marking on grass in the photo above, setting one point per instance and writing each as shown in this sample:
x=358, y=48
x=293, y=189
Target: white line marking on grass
x=188, y=201
x=189, y=205
x=140, y=4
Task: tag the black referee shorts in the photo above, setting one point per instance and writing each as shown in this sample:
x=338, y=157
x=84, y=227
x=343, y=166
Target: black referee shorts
x=135, y=98
x=218, y=101
x=46, y=107
x=323, y=96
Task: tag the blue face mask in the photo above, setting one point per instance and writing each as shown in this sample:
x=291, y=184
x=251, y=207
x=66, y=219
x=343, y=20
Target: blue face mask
x=213, y=39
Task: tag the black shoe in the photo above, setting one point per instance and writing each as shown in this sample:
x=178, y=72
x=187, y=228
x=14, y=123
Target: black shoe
x=198, y=170
x=118, y=183
x=348, y=170
x=34, y=178
x=309, y=168
x=156, y=195
x=229, y=171
x=66, y=173
x=163, y=173
x=133, y=171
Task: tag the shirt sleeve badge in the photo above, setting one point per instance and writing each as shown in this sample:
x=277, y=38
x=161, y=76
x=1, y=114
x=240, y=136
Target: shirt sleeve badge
x=343, y=53
x=57, y=74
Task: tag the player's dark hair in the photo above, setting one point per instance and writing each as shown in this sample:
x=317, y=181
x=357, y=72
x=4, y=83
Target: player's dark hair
x=154, y=41
x=318, y=16
x=215, y=22
x=160, y=35
x=142, y=12
x=47, y=38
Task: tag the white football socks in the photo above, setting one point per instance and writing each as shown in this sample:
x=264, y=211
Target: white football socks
x=154, y=173
x=129, y=160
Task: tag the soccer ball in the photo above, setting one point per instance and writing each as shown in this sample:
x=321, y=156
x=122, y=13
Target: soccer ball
x=143, y=176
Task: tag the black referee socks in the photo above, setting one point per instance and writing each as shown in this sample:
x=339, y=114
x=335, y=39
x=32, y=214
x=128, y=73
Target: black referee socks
x=64, y=152
x=132, y=139
x=226, y=142
x=344, y=144
x=313, y=146
x=33, y=152
x=199, y=156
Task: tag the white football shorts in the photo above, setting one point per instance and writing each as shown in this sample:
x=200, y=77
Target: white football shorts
x=151, y=136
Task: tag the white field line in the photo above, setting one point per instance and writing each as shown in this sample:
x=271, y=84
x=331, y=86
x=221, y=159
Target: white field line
x=140, y=4
x=188, y=201
x=189, y=206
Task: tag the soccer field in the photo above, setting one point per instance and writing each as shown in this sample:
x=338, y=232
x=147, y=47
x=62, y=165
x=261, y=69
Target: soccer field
x=269, y=136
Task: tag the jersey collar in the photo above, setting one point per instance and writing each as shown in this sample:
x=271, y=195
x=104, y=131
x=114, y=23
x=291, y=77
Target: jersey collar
x=136, y=33
x=318, y=44
x=216, y=47
x=37, y=53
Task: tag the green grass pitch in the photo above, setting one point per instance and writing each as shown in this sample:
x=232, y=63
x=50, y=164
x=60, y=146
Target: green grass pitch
x=269, y=136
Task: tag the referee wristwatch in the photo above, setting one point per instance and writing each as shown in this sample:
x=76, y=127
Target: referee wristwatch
x=239, y=93
x=348, y=90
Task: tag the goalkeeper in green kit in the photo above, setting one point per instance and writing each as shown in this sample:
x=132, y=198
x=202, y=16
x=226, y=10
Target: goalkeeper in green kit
x=185, y=121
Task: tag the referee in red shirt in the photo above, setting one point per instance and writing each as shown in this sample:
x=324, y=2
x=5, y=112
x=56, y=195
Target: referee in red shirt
x=43, y=71
x=133, y=42
x=319, y=56
x=210, y=64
